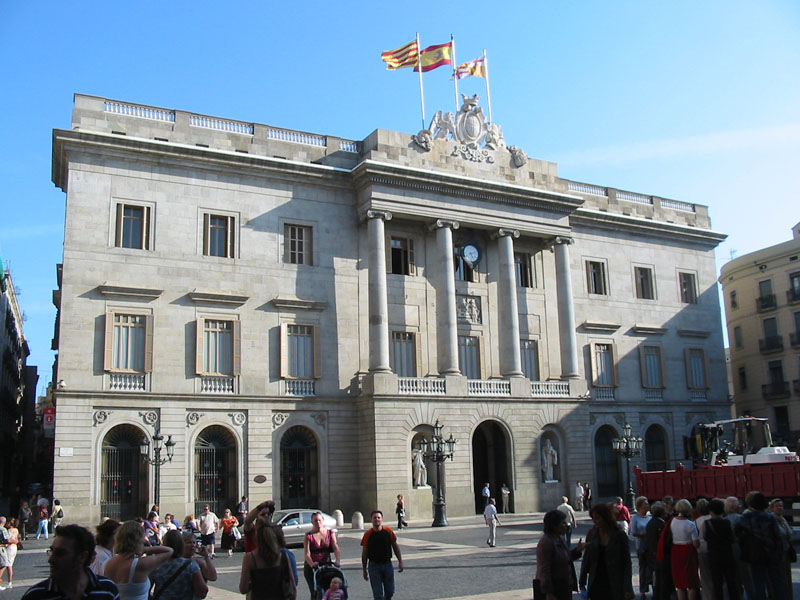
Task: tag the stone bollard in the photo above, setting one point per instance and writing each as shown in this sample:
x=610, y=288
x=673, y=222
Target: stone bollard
x=337, y=514
x=358, y=520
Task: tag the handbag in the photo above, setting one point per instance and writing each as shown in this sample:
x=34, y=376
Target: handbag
x=237, y=535
x=537, y=590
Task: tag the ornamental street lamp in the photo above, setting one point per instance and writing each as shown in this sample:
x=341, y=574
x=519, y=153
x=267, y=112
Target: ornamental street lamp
x=628, y=446
x=157, y=460
x=434, y=450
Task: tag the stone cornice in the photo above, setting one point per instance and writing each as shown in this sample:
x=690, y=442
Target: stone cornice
x=217, y=297
x=116, y=290
x=297, y=304
x=694, y=333
x=602, y=327
x=642, y=329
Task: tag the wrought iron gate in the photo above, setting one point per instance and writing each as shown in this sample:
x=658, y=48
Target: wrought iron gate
x=299, y=469
x=123, y=482
x=215, y=471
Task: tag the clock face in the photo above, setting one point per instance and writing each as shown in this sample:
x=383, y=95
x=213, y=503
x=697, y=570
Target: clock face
x=471, y=253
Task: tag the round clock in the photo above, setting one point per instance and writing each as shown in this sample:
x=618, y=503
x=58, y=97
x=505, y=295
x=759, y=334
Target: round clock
x=471, y=253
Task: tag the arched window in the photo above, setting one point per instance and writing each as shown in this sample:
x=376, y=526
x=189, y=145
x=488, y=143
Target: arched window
x=299, y=469
x=655, y=448
x=215, y=470
x=606, y=464
x=123, y=478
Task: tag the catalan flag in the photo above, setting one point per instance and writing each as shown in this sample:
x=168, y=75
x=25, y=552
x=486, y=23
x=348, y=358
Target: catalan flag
x=404, y=56
x=474, y=68
x=433, y=57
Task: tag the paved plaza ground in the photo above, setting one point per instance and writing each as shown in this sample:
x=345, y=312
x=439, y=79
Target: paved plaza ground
x=441, y=563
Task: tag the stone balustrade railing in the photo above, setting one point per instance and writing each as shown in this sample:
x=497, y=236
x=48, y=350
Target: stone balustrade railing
x=420, y=386
x=300, y=387
x=220, y=124
x=143, y=112
x=550, y=389
x=596, y=190
x=128, y=382
x=603, y=394
x=653, y=395
x=217, y=385
x=488, y=387
x=586, y=188
x=698, y=395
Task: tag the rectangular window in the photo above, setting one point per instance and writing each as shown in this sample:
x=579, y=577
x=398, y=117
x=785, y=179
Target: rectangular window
x=596, y=277
x=734, y=300
x=219, y=235
x=218, y=347
x=644, y=283
x=402, y=255
x=464, y=269
x=300, y=351
x=742, y=379
x=523, y=266
x=530, y=359
x=765, y=288
x=737, y=336
x=775, y=370
x=469, y=356
x=771, y=328
x=132, y=226
x=688, y=287
x=603, y=361
x=297, y=240
x=696, y=377
x=128, y=343
x=782, y=422
x=404, y=353
x=794, y=287
x=652, y=368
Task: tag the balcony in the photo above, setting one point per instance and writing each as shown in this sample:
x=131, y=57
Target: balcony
x=217, y=385
x=549, y=389
x=420, y=386
x=794, y=339
x=606, y=393
x=698, y=395
x=768, y=345
x=653, y=395
x=127, y=382
x=764, y=303
x=792, y=296
x=488, y=387
x=777, y=390
x=301, y=388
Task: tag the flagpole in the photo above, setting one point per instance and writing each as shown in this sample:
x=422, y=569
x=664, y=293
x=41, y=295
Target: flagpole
x=488, y=92
x=421, y=89
x=455, y=65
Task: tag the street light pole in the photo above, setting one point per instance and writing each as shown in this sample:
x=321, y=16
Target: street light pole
x=157, y=460
x=435, y=451
x=628, y=446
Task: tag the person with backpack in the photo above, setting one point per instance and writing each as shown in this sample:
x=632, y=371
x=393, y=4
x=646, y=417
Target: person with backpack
x=760, y=543
x=57, y=516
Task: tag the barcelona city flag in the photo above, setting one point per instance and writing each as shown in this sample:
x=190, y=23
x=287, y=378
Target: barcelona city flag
x=404, y=56
x=433, y=57
x=473, y=68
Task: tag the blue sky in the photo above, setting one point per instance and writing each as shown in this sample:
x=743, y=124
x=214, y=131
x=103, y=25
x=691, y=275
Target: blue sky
x=695, y=101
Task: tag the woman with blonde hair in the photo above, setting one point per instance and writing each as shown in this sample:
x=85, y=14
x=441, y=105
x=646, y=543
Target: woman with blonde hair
x=133, y=562
x=685, y=541
x=266, y=573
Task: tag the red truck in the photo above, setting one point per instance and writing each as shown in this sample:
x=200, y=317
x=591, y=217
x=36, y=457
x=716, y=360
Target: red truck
x=722, y=467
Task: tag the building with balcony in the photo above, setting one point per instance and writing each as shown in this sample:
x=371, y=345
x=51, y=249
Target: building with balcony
x=298, y=311
x=762, y=308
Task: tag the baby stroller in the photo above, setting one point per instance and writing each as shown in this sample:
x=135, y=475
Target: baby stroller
x=322, y=580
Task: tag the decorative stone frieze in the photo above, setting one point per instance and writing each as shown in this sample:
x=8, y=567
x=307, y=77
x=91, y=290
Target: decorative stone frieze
x=193, y=418
x=149, y=417
x=279, y=419
x=101, y=416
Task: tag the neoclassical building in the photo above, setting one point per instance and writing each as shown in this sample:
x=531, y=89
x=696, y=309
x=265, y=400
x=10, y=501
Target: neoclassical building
x=297, y=312
x=762, y=309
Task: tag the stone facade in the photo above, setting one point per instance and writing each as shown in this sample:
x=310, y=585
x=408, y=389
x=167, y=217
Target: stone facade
x=297, y=311
x=762, y=310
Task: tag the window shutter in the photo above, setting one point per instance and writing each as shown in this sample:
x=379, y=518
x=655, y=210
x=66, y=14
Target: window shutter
x=237, y=347
x=593, y=361
x=118, y=231
x=412, y=269
x=643, y=365
x=687, y=360
x=284, y=350
x=148, y=344
x=613, y=364
x=387, y=241
x=482, y=370
x=418, y=355
x=108, y=351
x=317, y=350
x=707, y=372
x=206, y=233
x=663, y=382
x=232, y=237
x=146, y=229
x=201, y=325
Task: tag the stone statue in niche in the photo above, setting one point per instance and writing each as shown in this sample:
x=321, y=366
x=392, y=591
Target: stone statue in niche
x=420, y=471
x=549, y=460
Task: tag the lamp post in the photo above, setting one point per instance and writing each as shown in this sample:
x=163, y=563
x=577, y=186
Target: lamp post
x=434, y=450
x=157, y=460
x=628, y=446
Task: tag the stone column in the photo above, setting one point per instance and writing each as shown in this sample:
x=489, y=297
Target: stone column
x=566, y=311
x=447, y=326
x=378, y=303
x=508, y=311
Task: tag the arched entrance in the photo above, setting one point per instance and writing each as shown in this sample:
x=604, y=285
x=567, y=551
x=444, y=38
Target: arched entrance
x=490, y=461
x=299, y=469
x=123, y=477
x=655, y=449
x=215, y=470
x=606, y=464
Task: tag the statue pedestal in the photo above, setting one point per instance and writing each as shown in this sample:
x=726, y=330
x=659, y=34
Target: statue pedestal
x=550, y=495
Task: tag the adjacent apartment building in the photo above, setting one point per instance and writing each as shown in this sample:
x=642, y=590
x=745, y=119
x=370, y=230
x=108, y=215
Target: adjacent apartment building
x=762, y=308
x=298, y=311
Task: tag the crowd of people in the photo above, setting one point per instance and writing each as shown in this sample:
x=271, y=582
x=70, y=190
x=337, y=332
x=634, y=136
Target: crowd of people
x=716, y=548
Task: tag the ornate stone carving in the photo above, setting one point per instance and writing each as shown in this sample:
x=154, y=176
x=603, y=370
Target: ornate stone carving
x=592, y=419
x=620, y=419
x=320, y=418
x=101, y=416
x=150, y=417
x=279, y=419
x=518, y=156
x=193, y=418
x=468, y=309
x=238, y=418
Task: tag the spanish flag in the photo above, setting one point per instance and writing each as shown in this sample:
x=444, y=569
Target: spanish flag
x=435, y=56
x=474, y=68
x=404, y=56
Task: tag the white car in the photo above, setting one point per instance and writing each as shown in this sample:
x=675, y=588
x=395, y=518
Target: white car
x=296, y=523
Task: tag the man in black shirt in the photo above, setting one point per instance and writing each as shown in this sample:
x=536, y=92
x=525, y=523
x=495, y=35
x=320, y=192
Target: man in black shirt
x=376, y=547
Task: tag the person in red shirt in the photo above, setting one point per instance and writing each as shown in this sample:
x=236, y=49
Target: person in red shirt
x=376, y=557
x=622, y=514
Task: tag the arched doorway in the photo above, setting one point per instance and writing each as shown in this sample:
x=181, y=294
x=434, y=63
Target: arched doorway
x=490, y=461
x=606, y=464
x=215, y=470
x=299, y=469
x=655, y=449
x=123, y=477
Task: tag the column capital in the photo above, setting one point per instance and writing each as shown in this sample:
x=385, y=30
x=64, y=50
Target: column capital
x=504, y=232
x=378, y=214
x=558, y=241
x=439, y=223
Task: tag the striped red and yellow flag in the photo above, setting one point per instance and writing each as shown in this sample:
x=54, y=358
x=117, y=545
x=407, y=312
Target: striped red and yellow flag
x=435, y=56
x=404, y=56
x=473, y=68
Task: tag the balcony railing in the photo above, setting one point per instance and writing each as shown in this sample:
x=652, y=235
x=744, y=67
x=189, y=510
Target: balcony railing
x=217, y=385
x=128, y=382
x=767, y=302
x=488, y=387
x=792, y=296
x=773, y=343
x=604, y=394
x=775, y=390
x=794, y=339
x=549, y=389
x=421, y=386
x=698, y=395
x=653, y=395
x=300, y=387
